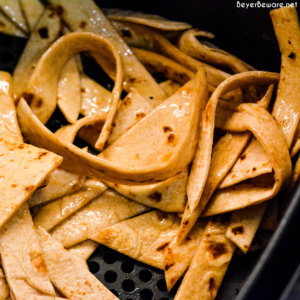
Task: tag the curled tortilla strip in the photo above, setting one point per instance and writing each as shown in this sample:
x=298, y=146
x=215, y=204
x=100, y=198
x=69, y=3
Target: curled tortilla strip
x=32, y=10
x=9, y=127
x=145, y=37
x=143, y=238
x=23, y=169
x=10, y=28
x=170, y=87
x=14, y=12
x=189, y=44
x=4, y=289
x=84, y=249
x=69, y=273
x=105, y=210
x=295, y=148
x=22, y=258
x=269, y=220
x=41, y=88
x=86, y=16
x=209, y=263
x=41, y=38
x=159, y=156
x=55, y=212
x=154, y=21
x=59, y=183
x=131, y=111
x=168, y=195
x=178, y=257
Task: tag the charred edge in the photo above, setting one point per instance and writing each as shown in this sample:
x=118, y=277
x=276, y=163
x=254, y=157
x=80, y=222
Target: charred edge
x=217, y=250
x=156, y=196
x=292, y=55
x=238, y=230
x=43, y=32
x=167, y=267
x=162, y=247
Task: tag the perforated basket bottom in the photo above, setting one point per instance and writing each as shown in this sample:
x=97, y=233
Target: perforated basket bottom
x=126, y=278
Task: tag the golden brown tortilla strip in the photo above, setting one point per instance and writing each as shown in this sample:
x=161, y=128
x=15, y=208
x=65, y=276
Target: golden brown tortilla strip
x=170, y=87
x=4, y=289
x=143, y=238
x=22, y=259
x=23, y=169
x=55, y=212
x=155, y=157
x=32, y=10
x=10, y=28
x=45, y=33
x=269, y=220
x=105, y=210
x=69, y=273
x=59, y=183
x=84, y=249
x=79, y=15
x=209, y=263
x=178, y=257
x=168, y=195
x=295, y=148
x=295, y=175
x=189, y=44
x=13, y=11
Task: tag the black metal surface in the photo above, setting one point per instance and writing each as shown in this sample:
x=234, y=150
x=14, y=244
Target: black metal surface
x=249, y=35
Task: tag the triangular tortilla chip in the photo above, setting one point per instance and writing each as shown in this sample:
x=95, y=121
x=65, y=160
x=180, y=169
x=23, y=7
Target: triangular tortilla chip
x=22, y=260
x=4, y=289
x=69, y=273
x=13, y=10
x=143, y=238
x=32, y=10
x=58, y=184
x=9, y=27
x=105, y=210
x=209, y=264
x=55, y=212
x=84, y=249
x=41, y=38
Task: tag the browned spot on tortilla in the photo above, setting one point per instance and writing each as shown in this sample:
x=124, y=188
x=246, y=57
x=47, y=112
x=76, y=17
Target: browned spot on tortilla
x=82, y=90
x=13, y=185
x=21, y=146
x=217, y=250
x=254, y=169
x=82, y=24
x=39, y=264
x=39, y=103
x=2, y=24
x=237, y=230
x=126, y=33
x=234, y=175
x=137, y=156
x=52, y=15
x=29, y=188
x=156, y=196
x=140, y=115
x=246, y=246
x=162, y=247
x=186, y=222
x=168, y=266
x=41, y=154
x=161, y=215
x=289, y=42
x=247, y=171
x=188, y=238
x=243, y=156
x=116, y=185
x=127, y=101
x=212, y=286
x=208, y=235
x=60, y=10
x=167, y=129
x=292, y=55
x=43, y=32
x=171, y=137
x=208, y=113
x=28, y=97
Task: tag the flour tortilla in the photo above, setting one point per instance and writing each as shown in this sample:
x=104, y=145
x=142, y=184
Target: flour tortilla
x=84, y=249
x=4, y=289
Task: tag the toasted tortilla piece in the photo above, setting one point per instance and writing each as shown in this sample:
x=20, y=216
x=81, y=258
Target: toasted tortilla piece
x=189, y=44
x=286, y=109
x=270, y=218
x=59, y=183
x=22, y=258
x=295, y=175
x=174, y=125
x=178, y=257
x=168, y=195
x=209, y=263
x=45, y=33
x=170, y=87
x=145, y=19
x=84, y=249
x=23, y=169
x=69, y=273
x=132, y=110
x=86, y=16
x=4, y=289
x=32, y=10
x=55, y=212
x=14, y=12
x=9, y=27
x=143, y=238
x=105, y=210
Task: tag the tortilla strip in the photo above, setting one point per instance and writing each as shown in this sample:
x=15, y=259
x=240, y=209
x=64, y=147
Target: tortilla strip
x=22, y=260
x=131, y=111
x=168, y=195
x=32, y=10
x=86, y=16
x=59, y=183
x=48, y=25
x=13, y=11
x=295, y=148
x=175, y=127
x=145, y=37
x=103, y=211
x=84, y=249
x=10, y=28
x=270, y=218
x=55, y=212
x=189, y=44
x=295, y=175
x=4, y=289
x=170, y=87
x=178, y=257
x=209, y=263
x=145, y=19
x=143, y=238
x=69, y=273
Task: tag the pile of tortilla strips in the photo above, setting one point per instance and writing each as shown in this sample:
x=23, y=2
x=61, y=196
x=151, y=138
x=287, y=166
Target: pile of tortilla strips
x=187, y=170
